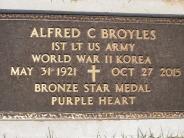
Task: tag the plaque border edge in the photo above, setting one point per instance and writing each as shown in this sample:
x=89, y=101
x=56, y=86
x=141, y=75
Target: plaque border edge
x=54, y=116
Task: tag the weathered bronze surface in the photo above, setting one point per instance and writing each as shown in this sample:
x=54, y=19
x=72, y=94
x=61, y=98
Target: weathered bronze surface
x=91, y=67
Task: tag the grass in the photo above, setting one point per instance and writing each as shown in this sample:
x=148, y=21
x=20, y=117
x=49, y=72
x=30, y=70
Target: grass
x=140, y=134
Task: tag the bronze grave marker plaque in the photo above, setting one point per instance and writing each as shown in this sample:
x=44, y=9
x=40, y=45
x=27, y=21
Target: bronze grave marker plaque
x=91, y=67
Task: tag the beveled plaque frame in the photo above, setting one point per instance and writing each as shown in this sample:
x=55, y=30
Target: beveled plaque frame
x=90, y=115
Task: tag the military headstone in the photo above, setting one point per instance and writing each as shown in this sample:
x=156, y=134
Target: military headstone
x=56, y=66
